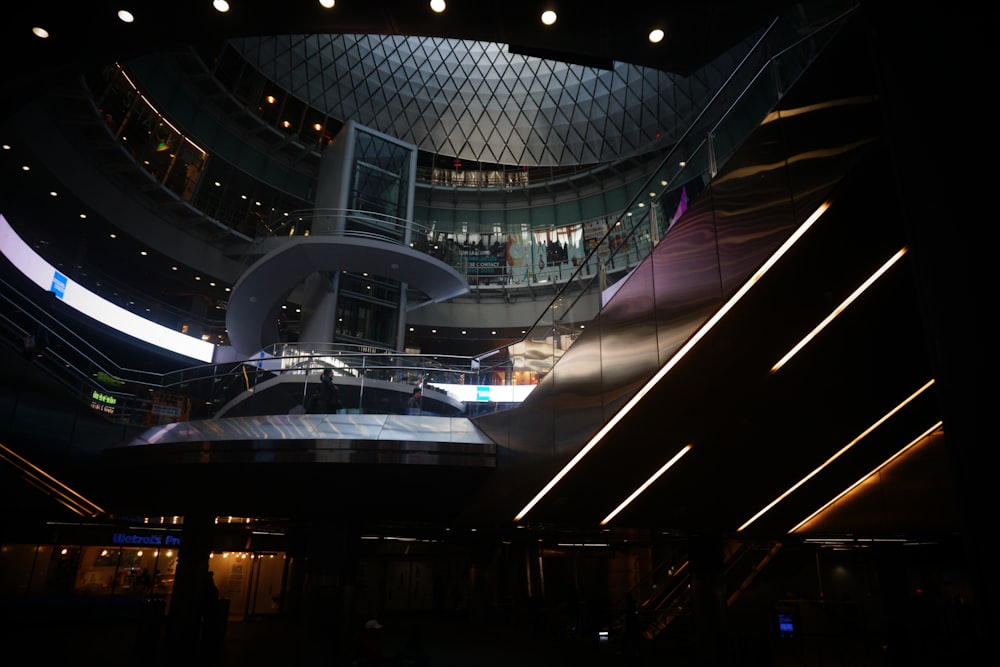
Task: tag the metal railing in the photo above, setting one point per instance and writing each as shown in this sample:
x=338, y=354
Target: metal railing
x=751, y=91
x=141, y=396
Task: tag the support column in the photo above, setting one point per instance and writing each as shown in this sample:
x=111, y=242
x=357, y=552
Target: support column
x=319, y=309
x=708, y=599
x=329, y=561
x=183, y=633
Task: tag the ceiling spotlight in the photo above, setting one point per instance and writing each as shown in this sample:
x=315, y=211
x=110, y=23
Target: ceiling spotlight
x=548, y=17
x=437, y=6
x=220, y=6
x=327, y=4
x=656, y=36
x=125, y=16
x=39, y=31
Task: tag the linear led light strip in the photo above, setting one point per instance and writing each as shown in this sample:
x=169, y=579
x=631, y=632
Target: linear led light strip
x=839, y=309
x=159, y=116
x=833, y=458
x=646, y=484
x=889, y=460
x=47, y=483
x=680, y=354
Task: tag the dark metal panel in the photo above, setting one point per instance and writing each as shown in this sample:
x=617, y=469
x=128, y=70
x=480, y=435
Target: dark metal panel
x=755, y=434
x=628, y=340
x=291, y=428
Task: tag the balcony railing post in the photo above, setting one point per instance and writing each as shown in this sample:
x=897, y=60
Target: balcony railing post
x=361, y=391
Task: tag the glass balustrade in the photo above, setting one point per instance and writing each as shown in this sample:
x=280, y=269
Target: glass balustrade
x=574, y=260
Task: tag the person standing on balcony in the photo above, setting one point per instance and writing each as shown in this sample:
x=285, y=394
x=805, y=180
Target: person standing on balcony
x=329, y=393
x=414, y=402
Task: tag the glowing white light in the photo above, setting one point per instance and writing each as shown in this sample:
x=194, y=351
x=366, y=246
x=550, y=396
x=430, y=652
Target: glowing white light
x=81, y=299
x=680, y=354
x=836, y=456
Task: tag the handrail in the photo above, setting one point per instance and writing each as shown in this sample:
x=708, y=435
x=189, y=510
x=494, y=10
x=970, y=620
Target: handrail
x=561, y=308
x=142, y=397
x=603, y=254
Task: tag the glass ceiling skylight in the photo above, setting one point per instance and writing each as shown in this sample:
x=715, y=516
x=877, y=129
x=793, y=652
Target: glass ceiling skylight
x=476, y=101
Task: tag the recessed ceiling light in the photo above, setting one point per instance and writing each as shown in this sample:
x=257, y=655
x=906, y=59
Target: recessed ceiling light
x=220, y=6
x=437, y=6
x=39, y=31
x=656, y=36
x=125, y=16
x=327, y=4
x=548, y=17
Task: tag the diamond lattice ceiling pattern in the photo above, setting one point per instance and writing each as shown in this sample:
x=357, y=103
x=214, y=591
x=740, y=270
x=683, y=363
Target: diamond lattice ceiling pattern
x=476, y=100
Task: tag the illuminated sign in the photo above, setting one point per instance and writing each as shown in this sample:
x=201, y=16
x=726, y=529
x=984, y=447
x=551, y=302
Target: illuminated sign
x=83, y=300
x=146, y=540
x=102, y=402
x=58, y=286
x=485, y=393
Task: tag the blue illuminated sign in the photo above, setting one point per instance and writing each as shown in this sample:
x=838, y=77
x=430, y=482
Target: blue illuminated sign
x=154, y=540
x=58, y=284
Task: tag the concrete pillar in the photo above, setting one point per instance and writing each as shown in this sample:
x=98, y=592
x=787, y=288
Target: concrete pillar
x=183, y=631
x=708, y=599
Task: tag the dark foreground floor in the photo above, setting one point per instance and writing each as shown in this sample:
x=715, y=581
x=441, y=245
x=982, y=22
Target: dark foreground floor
x=447, y=643
x=84, y=637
